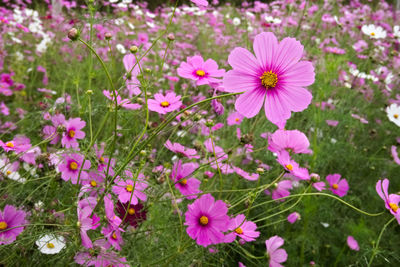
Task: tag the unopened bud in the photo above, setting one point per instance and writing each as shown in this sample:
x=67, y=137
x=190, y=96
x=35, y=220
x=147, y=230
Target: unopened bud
x=171, y=37
x=134, y=49
x=89, y=92
x=209, y=123
x=108, y=36
x=73, y=34
x=260, y=170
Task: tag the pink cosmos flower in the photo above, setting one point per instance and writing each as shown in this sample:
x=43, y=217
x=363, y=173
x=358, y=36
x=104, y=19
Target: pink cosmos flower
x=112, y=218
x=242, y=228
x=73, y=132
x=202, y=72
x=391, y=201
x=276, y=255
x=200, y=3
x=113, y=236
x=293, y=217
x=275, y=75
x=50, y=132
x=70, y=167
x=221, y=156
x=281, y=190
x=338, y=186
x=187, y=185
x=132, y=83
x=164, y=104
x=246, y=175
x=395, y=155
x=125, y=103
x=235, y=118
x=332, y=123
x=315, y=180
x=103, y=165
x=181, y=150
x=11, y=224
x=291, y=140
x=292, y=166
x=206, y=220
x=85, y=223
x=352, y=243
x=129, y=188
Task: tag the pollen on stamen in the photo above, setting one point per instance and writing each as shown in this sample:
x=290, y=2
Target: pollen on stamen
x=50, y=245
x=335, y=186
x=200, y=73
x=183, y=181
x=129, y=188
x=3, y=225
x=372, y=34
x=239, y=231
x=71, y=133
x=289, y=167
x=9, y=144
x=396, y=116
x=114, y=235
x=394, y=207
x=73, y=166
x=269, y=79
x=165, y=104
x=93, y=183
x=203, y=220
x=131, y=211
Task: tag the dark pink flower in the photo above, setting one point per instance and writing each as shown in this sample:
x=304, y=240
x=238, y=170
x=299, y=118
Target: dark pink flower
x=70, y=167
x=275, y=254
x=73, y=132
x=242, y=228
x=352, y=243
x=207, y=219
x=129, y=189
x=293, y=217
x=337, y=186
x=275, y=75
x=12, y=223
x=202, y=72
x=188, y=186
x=164, y=104
x=181, y=150
x=391, y=201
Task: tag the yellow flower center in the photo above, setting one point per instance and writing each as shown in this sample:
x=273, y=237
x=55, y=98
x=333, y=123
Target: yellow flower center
x=165, y=104
x=237, y=119
x=269, y=79
x=372, y=34
x=183, y=181
x=114, y=235
x=289, y=167
x=200, y=73
x=131, y=211
x=9, y=144
x=239, y=231
x=393, y=206
x=396, y=116
x=71, y=133
x=335, y=186
x=50, y=245
x=73, y=165
x=101, y=160
x=129, y=188
x=3, y=225
x=203, y=220
x=93, y=183
x=8, y=172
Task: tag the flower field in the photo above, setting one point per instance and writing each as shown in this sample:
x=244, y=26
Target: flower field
x=199, y=133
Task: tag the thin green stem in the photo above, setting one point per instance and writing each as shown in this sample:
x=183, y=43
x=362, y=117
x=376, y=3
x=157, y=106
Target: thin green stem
x=375, y=249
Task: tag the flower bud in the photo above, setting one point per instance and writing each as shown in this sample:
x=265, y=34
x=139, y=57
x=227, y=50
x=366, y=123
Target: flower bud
x=73, y=34
x=134, y=49
x=260, y=170
x=108, y=36
x=171, y=37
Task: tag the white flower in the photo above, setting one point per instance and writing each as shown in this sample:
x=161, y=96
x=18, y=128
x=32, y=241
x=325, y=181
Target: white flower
x=121, y=48
x=236, y=21
x=393, y=113
x=273, y=20
x=396, y=31
x=50, y=244
x=8, y=171
x=375, y=32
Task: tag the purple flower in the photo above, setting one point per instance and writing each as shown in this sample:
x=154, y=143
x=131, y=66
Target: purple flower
x=275, y=75
x=11, y=224
x=187, y=185
x=135, y=214
x=70, y=167
x=125, y=103
x=201, y=72
x=164, y=104
x=235, y=118
x=206, y=220
x=338, y=186
x=130, y=189
x=50, y=132
x=73, y=132
x=242, y=228
x=276, y=255
x=181, y=150
x=352, y=243
x=293, y=217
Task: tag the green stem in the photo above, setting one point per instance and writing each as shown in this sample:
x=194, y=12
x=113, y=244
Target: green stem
x=375, y=250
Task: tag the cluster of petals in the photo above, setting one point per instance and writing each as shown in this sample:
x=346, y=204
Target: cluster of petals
x=391, y=201
x=203, y=72
x=164, y=103
x=181, y=176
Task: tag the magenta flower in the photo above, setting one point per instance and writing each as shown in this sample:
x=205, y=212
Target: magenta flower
x=338, y=186
x=70, y=167
x=206, y=220
x=12, y=223
x=293, y=141
x=202, y=72
x=72, y=133
x=130, y=189
x=391, y=201
x=200, y=3
x=113, y=236
x=187, y=185
x=132, y=83
x=164, y=104
x=85, y=223
x=181, y=150
x=352, y=243
x=293, y=217
x=112, y=218
x=51, y=132
x=281, y=190
x=242, y=228
x=292, y=166
x=275, y=254
x=235, y=118
x=125, y=103
x=275, y=75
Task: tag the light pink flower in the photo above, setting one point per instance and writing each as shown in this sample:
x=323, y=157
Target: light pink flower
x=338, y=186
x=132, y=83
x=234, y=118
x=276, y=255
x=181, y=150
x=242, y=228
x=200, y=3
x=275, y=75
x=125, y=103
x=352, y=243
x=202, y=72
x=290, y=140
x=164, y=104
x=130, y=189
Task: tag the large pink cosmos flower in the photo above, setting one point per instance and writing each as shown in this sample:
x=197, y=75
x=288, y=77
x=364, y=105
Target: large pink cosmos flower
x=11, y=224
x=275, y=75
x=242, y=228
x=188, y=186
x=70, y=167
x=391, y=201
x=338, y=186
x=292, y=141
x=206, y=220
x=276, y=255
x=132, y=83
x=73, y=132
x=200, y=71
x=164, y=104
x=129, y=189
